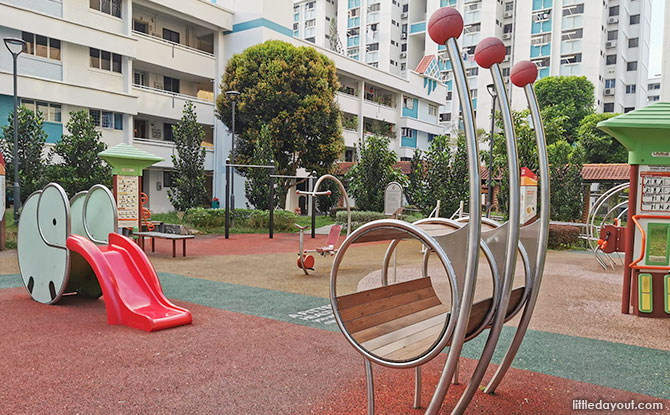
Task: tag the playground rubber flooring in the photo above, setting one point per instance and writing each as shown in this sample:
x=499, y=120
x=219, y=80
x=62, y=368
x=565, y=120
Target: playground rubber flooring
x=263, y=342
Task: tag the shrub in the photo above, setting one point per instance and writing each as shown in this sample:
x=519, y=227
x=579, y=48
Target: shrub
x=359, y=218
x=252, y=218
x=563, y=236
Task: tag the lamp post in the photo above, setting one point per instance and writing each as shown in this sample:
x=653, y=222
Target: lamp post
x=15, y=47
x=232, y=95
x=489, y=199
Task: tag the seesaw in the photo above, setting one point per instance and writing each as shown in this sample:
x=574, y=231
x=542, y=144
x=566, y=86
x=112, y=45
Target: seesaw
x=73, y=248
x=407, y=324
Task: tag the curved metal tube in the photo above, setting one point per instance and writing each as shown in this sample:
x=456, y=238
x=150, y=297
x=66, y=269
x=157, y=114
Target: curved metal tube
x=424, y=238
x=596, y=206
x=474, y=228
x=85, y=221
x=315, y=192
x=542, y=241
x=67, y=215
x=512, y=242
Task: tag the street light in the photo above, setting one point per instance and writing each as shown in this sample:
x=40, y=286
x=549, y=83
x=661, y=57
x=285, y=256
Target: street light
x=232, y=95
x=15, y=47
x=489, y=200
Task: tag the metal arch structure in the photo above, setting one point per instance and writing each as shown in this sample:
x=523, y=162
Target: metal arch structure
x=594, y=225
x=315, y=192
x=458, y=243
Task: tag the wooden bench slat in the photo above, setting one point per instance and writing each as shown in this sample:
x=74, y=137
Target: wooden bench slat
x=403, y=332
x=431, y=332
x=368, y=321
x=366, y=296
x=397, y=324
x=392, y=301
x=416, y=348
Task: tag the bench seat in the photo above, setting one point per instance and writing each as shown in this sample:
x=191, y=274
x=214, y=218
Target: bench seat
x=401, y=321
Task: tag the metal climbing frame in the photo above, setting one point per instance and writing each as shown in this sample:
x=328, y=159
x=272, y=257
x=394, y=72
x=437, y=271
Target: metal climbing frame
x=372, y=321
x=593, y=224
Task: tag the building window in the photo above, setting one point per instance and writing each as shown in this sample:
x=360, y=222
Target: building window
x=635, y=19
x=41, y=46
x=167, y=132
x=141, y=27
x=610, y=83
x=633, y=42
x=631, y=66
x=50, y=112
x=610, y=60
x=140, y=78
x=140, y=130
x=171, y=84
x=472, y=71
x=107, y=119
x=432, y=110
x=628, y=109
x=614, y=11
x=408, y=103
x=101, y=59
x=613, y=35
x=111, y=7
x=167, y=178
x=609, y=107
x=631, y=89
x=170, y=35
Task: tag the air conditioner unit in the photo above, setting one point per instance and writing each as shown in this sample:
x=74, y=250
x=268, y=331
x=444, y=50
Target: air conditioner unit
x=610, y=44
x=403, y=55
x=403, y=35
x=506, y=58
x=507, y=15
x=609, y=91
x=613, y=20
x=507, y=36
x=403, y=15
x=473, y=7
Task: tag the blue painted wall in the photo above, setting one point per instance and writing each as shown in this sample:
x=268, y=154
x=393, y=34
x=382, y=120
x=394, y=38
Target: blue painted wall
x=409, y=141
x=54, y=130
x=412, y=113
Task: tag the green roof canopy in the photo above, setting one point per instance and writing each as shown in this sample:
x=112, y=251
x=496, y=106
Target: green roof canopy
x=644, y=132
x=127, y=160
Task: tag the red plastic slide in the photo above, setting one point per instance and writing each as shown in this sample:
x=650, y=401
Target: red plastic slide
x=130, y=287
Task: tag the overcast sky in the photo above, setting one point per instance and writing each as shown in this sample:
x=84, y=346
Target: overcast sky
x=656, y=44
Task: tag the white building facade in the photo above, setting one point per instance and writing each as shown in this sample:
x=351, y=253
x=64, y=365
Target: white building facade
x=133, y=64
x=654, y=89
x=608, y=42
x=665, y=71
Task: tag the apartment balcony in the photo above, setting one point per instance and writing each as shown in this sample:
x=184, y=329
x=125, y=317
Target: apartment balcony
x=165, y=104
x=217, y=14
x=422, y=125
x=348, y=103
x=166, y=149
x=350, y=137
x=175, y=56
x=379, y=111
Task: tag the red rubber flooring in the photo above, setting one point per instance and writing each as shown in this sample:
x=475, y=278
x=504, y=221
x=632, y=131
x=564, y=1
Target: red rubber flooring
x=65, y=359
x=239, y=244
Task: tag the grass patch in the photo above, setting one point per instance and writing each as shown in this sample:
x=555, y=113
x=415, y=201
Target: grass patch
x=10, y=229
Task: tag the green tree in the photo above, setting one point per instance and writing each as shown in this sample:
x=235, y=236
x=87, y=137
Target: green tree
x=188, y=186
x=599, y=147
x=438, y=179
x=416, y=181
x=375, y=169
x=79, y=167
x=31, y=141
x=325, y=202
x=567, y=188
x=257, y=186
x=459, y=183
x=292, y=91
x=566, y=96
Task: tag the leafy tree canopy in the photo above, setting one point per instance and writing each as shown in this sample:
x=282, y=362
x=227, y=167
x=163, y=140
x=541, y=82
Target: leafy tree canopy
x=31, y=141
x=599, y=147
x=374, y=170
x=188, y=185
x=567, y=189
x=79, y=166
x=291, y=90
x=569, y=96
x=257, y=186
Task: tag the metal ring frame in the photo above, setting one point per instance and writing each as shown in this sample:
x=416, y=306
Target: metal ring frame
x=509, y=234
x=315, y=192
x=426, y=239
x=84, y=218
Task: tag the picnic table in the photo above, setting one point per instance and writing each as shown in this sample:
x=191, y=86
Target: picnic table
x=160, y=235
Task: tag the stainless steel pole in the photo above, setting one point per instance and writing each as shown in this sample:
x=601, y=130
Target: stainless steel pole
x=489, y=196
x=17, y=190
x=232, y=172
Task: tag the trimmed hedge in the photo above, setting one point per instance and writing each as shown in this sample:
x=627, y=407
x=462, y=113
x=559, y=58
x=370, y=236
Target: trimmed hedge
x=563, y=236
x=252, y=218
x=359, y=218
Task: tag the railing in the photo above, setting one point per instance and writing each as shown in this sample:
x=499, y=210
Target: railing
x=173, y=44
x=174, y=94
x=165, y=143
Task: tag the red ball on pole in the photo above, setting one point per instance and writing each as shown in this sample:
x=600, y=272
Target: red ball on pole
x=444, y=24
x=490, y=51
x=523, y=73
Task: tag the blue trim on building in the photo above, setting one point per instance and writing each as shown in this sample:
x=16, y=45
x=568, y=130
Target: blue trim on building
x=417, y=27
x=412, y=113
x=261, y=22
x=409, y=141
x=53, y=130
